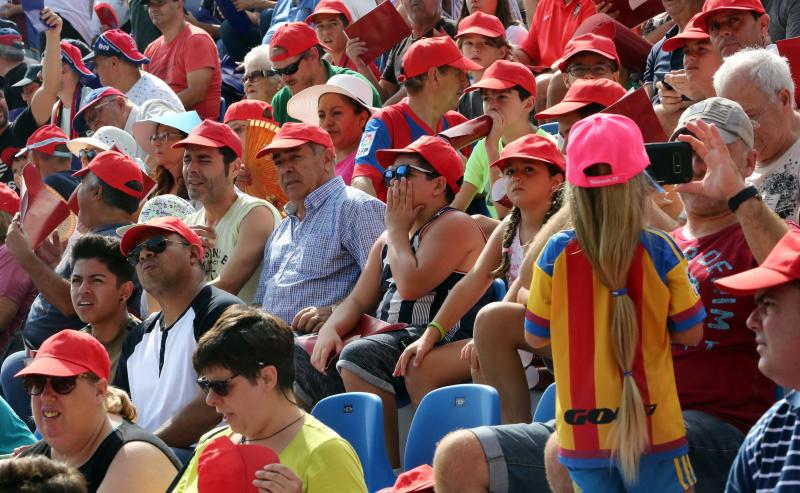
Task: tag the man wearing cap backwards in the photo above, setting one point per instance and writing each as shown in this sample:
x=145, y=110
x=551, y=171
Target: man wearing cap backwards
x=768, y=458
x=108, y=195
x=118, y=64
x=315, y=256
x=435, y=75
x=12, y=66
x=185, y=57
x=297, y=57
x=735, y=24
x=760, y=81
x=234, y=227
x=721, y=391
x=162, y=383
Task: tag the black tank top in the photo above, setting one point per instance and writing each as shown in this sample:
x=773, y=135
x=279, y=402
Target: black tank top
x=94, y=470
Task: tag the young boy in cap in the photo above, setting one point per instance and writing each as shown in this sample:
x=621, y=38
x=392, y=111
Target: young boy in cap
x=297, y=57
x=508, y=90
x=435, y=75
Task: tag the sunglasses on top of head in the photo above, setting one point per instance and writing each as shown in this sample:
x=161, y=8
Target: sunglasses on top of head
x=155, y=244
x=402, y=171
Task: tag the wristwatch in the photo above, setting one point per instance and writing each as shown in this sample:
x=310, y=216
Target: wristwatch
x=746, y=193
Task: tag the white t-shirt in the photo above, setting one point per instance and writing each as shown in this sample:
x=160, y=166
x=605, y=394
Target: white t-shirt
x=779, y=182
x=151, y=87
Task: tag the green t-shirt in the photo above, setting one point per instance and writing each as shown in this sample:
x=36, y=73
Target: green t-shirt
x=477, y=170
x=323, y=460
x=281, y=98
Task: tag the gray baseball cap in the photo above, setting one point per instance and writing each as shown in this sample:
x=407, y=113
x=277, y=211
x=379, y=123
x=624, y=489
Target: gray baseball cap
x=728, y=116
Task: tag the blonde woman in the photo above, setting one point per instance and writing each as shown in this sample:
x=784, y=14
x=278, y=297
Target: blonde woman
x=610, y=296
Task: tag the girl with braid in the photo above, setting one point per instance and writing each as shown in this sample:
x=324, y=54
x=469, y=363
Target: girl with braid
x=609, y=296
x=533, y=169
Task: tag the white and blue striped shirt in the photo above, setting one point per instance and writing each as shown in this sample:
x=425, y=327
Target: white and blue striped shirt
x=317, y=261
x=769, y=458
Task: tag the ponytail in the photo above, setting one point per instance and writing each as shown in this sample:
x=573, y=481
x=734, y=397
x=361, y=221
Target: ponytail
x=608, y=222
x=118, y=402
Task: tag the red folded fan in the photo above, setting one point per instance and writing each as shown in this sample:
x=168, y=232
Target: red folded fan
x=464, y=134
x=790, y=48
x=638, y=107
x=42, y=209
x=381, y=28
x=366, y=326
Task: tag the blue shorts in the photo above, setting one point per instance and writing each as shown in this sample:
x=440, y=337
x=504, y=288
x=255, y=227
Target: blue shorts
x=655, y=476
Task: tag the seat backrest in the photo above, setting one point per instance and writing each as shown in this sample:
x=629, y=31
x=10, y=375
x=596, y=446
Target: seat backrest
x=546, y=409
x=445, y=410
x=551, y=128
x=358, y=418
x=500, y=289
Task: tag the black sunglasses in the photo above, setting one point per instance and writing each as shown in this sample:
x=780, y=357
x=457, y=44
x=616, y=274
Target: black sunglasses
x=87, y=154
x=220, y=387
x=155, y=244
x=402, y=171
x=259, y=74
x=289, y=69
x=34, y=384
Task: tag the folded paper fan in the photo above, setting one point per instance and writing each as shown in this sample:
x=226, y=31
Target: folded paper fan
x=264, y=184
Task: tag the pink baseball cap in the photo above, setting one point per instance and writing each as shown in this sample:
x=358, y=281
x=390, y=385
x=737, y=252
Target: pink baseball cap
x=605, y=138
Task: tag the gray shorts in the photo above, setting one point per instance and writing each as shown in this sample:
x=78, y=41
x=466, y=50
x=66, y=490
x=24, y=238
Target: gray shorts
x=515, y=453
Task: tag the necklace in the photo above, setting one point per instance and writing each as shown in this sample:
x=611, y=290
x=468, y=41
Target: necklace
x=245, y=440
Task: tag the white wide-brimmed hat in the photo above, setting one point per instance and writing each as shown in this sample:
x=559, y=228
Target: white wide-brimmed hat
x=303, y=105
x=104, y=139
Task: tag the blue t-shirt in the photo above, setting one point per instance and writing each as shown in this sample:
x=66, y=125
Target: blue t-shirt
x=769, y=458
x=660, y=63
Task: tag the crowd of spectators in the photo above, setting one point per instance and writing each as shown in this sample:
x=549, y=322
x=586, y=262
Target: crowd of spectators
x=201, y=202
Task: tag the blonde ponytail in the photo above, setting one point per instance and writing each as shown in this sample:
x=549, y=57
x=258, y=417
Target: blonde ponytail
x=118, y=402
x=608, y=222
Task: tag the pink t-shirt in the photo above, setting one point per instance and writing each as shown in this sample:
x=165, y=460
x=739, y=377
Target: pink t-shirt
x=344, y=168
x=17, y=287
x=193, y=49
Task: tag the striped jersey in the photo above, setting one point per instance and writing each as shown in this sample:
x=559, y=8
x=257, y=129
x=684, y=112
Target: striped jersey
x=769, y=458
x=568, y=300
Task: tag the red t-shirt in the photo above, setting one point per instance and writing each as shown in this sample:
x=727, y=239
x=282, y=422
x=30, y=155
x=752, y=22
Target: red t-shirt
x=193, y=49
x=720, y=375
x=554, y=24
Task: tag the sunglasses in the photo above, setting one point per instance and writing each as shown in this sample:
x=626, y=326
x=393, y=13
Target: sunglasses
x=87, y=154
x=259, y=74
x=220, y=387
x=402, y=171
x=156, y=244
x=289, y=69
x=34, y=384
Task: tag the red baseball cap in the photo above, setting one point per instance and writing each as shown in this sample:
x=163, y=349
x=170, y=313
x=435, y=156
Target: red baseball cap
x=532, y=147
x=11, y=37
x=434, y=52
x=436, y=151
x=692, y=31
x=483, y=24
x=584, y=92
x=631, y=47
x=118, y=171
x=711, y=7
x=9, y=200
x=504, y=74
x=45, y=139
x=248, y=109
x=294, y=38
x=330, y=7
x=225, y=467
x=89, y=101
x=782, y=265
x=293, y=135
x=590, y=42
x=132, y=235
x=116, y=42
x=419, y=479
x=69, y=353
x=72, y=56
x=8, y=154
x=212, y=134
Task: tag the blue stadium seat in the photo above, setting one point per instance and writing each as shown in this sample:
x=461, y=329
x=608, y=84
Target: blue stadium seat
x=500, y=289
x=358, y=418
x=223, y=106
x=546, y=409
x=445, y=410
x=551, y=128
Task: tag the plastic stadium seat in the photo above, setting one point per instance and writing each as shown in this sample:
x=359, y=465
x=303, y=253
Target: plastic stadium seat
x=358, y=418
x=551, y=128
x=546, y=409
x=445, y=410
x=500, y=289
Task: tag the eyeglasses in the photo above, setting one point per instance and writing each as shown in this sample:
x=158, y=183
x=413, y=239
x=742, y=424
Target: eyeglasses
x=255, y=75
x=582, y=70
x=292, y=68
x=34, y=384
x=402, y=171
x=91, y=114
x=164, y=136
x=87, y=154
x=156, y=244
x=220, y=387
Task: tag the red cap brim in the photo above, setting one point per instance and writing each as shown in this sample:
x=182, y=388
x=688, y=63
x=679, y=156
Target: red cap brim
x=561, y=108
x=197, y=140
x=750, y=281
x=466, y=64
x=280, y=145
x=491, y=83
x=562, y=64
x=47, y=365
x=679, y=41
x=480, y=30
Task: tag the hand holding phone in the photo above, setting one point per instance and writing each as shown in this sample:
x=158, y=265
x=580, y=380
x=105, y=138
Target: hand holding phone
x=670, y=162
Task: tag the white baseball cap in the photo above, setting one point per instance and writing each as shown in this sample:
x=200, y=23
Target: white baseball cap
x=303, y=105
